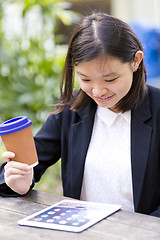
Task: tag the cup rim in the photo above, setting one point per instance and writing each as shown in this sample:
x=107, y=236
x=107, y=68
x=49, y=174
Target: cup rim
x=14, y=124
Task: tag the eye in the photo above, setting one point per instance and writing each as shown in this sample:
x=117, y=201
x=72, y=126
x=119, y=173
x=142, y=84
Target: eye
x=85, y=80
x=111, y=80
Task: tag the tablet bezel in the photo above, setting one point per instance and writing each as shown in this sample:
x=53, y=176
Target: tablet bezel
x=107, y=209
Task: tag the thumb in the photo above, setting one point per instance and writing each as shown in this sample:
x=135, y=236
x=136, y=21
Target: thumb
x=8, y=156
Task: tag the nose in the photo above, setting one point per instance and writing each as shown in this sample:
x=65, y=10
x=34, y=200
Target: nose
x=98, y=91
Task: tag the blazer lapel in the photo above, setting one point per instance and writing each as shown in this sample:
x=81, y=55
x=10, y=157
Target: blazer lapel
x=140, y=144
x=81, y=132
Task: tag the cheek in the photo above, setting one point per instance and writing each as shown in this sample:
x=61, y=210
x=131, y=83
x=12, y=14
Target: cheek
x=128, y=84
x=124, y=87
x=85, y=88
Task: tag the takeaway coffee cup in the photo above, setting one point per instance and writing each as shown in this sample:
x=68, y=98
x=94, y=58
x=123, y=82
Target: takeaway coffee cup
x=17, y=137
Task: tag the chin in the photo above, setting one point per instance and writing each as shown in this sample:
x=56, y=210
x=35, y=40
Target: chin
x=103, y=105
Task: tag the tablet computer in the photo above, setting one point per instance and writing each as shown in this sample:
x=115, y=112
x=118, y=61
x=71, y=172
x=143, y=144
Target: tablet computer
x=70, y=215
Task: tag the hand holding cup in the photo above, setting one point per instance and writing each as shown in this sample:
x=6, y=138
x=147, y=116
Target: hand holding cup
x=18, y=176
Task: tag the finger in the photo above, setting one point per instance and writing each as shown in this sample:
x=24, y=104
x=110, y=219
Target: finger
x=15, y=171
x=18, y=165
x=15, y=181
x=8, y=155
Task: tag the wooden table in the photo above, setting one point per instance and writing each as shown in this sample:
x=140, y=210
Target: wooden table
x=121, y=225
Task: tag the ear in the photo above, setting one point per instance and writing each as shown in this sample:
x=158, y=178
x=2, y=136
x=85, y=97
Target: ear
x=137, y=60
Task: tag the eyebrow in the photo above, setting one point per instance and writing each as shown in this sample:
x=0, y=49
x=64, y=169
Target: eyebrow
x=104, y=75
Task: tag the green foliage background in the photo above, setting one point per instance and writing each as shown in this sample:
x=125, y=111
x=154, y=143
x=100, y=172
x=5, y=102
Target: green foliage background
x=30, y=68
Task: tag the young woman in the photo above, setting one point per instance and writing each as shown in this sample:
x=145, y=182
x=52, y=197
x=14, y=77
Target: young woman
x=107, y=133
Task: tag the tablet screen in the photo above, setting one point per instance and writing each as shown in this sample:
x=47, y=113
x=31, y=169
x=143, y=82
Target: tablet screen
x=70, y=215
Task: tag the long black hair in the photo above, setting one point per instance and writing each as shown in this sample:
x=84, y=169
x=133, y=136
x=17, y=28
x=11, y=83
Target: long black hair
x=100, y=35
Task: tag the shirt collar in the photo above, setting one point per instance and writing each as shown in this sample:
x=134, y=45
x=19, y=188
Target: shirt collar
x=108, y=116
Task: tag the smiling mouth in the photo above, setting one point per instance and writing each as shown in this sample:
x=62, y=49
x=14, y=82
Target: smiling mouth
x=104, y=99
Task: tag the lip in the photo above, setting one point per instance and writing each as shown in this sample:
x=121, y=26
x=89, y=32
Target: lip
x=104, y=99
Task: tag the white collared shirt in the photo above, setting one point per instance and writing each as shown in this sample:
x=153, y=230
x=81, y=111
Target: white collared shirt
x=107, y=173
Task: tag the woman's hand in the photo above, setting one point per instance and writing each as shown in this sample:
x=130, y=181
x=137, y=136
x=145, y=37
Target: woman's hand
x=18, y=176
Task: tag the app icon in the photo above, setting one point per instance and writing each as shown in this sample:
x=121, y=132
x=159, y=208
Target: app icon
x=57, y=209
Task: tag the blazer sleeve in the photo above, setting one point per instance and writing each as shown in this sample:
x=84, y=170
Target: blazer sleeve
x=48, y=145
x=156, y=213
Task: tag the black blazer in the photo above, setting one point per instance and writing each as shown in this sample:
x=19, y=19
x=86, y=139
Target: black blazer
x=67, y=136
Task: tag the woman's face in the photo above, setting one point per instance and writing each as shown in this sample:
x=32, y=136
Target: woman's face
x=106, y=81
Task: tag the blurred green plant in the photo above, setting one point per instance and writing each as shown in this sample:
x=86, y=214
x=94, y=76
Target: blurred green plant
x=31, y=61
